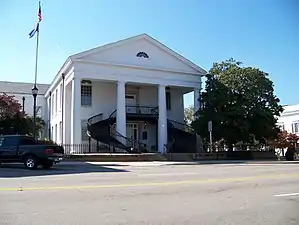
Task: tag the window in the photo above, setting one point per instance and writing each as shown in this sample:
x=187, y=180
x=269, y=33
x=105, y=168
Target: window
x=281, y=126
x=27, y=141
x=56, y=99
x=52, y=133
x=295, y=127
x=168, y=99
x=142, y=55
x=52, y=104
x=86, y=93
x=39, y=111
x=8, y=141
x=60, y=131
x=60, y=105
x=56, y=136
x=84, y=136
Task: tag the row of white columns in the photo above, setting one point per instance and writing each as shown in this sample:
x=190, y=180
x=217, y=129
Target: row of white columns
x=121, y=123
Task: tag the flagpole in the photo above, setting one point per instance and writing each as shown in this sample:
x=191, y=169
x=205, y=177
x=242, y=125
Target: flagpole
x=35, y=89
x=36, y=56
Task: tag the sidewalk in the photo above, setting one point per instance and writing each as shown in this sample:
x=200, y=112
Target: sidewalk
x=173, y=163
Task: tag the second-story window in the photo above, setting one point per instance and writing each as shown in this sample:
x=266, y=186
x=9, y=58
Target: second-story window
x=86, y=93
x=295, y=127
x=56, y=99
x=168, y=99
x=60, y=102
x=52, y=104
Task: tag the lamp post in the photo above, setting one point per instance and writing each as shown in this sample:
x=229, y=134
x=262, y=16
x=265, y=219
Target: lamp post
x=62, y=108
x=34, y=94
x=23, y=105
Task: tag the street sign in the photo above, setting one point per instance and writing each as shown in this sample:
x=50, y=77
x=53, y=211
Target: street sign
x=210, y=126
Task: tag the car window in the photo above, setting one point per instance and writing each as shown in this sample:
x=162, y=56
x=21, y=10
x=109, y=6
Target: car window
x=27, y=141
x=1, y=141
x=9, y=141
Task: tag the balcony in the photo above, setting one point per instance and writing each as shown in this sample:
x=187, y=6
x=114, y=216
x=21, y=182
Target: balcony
x=141, y=112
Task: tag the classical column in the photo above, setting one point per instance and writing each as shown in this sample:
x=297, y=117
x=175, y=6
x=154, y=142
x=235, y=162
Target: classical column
x=121, y=123
x=162, y=122
x=196, y=101
x=76, y=113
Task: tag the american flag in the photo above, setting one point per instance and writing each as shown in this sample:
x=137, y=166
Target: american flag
x=39, y=14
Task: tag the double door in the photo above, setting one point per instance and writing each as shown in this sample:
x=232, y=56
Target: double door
x=132, y=133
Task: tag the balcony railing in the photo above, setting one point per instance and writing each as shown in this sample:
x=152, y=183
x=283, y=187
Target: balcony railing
x=142, y=110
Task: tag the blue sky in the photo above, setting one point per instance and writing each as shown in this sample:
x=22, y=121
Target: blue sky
x=260, y=33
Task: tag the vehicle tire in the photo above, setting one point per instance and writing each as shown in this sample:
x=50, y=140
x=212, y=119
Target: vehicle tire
x=30, y=162
x=47, y=165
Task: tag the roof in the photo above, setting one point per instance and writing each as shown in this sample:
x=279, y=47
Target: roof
x=74, y=57
x=138, y=37
x=21, y=87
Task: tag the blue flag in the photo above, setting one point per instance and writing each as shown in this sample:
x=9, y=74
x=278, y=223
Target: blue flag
x=32, y=33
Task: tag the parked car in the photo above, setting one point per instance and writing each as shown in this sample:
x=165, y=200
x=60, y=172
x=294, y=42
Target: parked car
x=21, y=148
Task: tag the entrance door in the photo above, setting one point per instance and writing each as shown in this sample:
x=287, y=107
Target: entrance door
x=131, y=103
x=132, y=133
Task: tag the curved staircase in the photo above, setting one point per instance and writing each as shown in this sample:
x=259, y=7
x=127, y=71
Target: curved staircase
x=103, y=131
x=181, y=138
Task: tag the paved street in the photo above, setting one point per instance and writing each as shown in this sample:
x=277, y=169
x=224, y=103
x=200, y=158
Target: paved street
x=151, y=193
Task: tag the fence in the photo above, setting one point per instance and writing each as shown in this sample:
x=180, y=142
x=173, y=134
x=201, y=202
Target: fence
x=70, y=149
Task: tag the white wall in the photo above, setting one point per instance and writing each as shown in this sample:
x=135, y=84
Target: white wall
x=289, y=116
x=40, y=101
x=103, y=100
x=125, y=53
x=56, y=112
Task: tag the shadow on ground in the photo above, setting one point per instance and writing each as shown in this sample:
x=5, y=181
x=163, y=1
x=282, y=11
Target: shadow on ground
x=18, y=170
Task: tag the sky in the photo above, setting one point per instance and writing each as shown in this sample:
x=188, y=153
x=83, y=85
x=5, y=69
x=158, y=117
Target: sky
x=259, y=33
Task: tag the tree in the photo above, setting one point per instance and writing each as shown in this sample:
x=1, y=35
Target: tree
x=240, y=102
x=281, y=141
x=13, y=120
x=189, y=114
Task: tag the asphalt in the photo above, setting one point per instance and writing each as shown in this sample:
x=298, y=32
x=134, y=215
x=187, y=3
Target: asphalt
x=151, y=193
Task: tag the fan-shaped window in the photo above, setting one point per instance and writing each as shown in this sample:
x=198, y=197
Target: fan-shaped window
x=142, y=55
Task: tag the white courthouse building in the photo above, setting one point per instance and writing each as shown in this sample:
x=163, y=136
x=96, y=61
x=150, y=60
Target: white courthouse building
x=289, y=119
x=127, y=95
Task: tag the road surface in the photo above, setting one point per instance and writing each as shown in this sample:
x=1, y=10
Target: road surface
x=141, y=193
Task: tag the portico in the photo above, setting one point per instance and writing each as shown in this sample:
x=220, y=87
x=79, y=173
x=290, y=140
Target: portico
x=104, y=83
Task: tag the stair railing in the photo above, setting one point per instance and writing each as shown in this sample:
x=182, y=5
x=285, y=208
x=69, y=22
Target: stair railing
x=95, y=119
x=182, y=126
x=133, y=145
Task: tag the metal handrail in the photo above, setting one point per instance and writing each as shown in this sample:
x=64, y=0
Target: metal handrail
x=124, y=139
x=141, y=110
x=111, y=115
x=133, y=144
x=95, y=119
x=182, y=126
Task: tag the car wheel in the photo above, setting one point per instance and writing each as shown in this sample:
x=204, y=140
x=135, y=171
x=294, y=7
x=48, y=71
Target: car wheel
x=30, y=162
x=47, y=165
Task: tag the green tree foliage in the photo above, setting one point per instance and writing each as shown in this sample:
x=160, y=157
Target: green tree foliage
x=13, y=120
x=241, y=103
x=189, y=114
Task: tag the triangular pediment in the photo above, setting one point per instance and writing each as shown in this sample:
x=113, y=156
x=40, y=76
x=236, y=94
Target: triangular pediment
x=134, y=51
